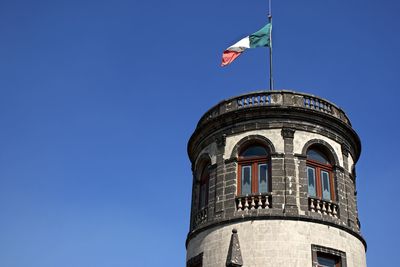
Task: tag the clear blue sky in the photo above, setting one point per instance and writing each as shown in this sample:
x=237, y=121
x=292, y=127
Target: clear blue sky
x=98, y=100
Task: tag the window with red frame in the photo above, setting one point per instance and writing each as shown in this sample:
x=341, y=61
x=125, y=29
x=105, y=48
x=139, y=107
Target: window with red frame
x=253, y=170
x=320, y=174
x=204, y=185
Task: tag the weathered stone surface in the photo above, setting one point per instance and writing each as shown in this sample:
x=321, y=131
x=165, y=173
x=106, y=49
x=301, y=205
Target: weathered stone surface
x=275, y=243
x=234, y=258
x=281, y=234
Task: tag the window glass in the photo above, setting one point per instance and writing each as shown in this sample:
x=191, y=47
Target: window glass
x=254, y=151
x=326, y=262
x=263, y=178
x=327, y=257
x=246, y=180
x=319, y=173
x=317, y=156
x=253, y=168
x=311, y=182
x=326, y=188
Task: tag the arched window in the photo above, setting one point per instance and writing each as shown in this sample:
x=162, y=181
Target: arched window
x=204, y=185
x=320, y=174
x=254, y=170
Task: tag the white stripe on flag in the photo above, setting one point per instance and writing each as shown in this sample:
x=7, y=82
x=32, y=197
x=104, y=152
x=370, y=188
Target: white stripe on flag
x=241, y=45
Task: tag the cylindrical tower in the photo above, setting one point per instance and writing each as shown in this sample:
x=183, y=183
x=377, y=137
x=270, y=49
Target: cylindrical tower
x=274, y=184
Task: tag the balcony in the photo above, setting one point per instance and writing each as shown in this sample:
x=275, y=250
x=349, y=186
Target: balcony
x=325, y=207
x=252, y=202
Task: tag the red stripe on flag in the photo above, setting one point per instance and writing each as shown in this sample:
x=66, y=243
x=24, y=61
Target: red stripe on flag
x=228, y=57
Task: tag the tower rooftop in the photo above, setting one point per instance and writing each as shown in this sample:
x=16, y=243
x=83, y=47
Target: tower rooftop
x=276, y=106
x=275, y=98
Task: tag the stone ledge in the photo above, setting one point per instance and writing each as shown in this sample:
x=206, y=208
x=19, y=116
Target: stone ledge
x=273, y=217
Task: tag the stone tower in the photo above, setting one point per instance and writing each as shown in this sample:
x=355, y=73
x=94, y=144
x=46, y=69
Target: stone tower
x=274, y=184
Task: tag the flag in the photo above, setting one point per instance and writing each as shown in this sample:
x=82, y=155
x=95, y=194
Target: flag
x=261, y=38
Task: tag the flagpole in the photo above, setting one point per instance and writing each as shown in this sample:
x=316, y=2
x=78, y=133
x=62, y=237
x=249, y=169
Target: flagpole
x=271, y=80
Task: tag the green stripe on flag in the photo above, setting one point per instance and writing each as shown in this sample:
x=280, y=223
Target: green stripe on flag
x=261, y=38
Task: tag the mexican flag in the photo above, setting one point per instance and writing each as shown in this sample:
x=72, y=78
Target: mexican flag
x=261, y=38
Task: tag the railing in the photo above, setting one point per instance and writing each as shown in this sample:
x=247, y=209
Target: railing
x=267, y=99
x=254, y=100
x=325, y=207
x=200, y=217
x=317, y=104
x=252, y=202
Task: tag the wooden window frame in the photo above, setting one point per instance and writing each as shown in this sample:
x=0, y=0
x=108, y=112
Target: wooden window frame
x=253, y=162
x=318, y=167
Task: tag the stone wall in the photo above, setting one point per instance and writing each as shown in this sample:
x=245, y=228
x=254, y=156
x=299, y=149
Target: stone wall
x=289, y=190
x=282, y=232
x=275, y=243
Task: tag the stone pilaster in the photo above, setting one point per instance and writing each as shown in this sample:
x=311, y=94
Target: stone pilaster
x=291, y=181
x=219, y=194
x=301, y=162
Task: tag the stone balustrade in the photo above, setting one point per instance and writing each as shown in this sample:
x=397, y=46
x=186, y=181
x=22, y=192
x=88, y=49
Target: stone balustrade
x=251, y=202
x=200, y=217
x=317, y=104
x=254, y=100
x=276, y=98
x=325, y=207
